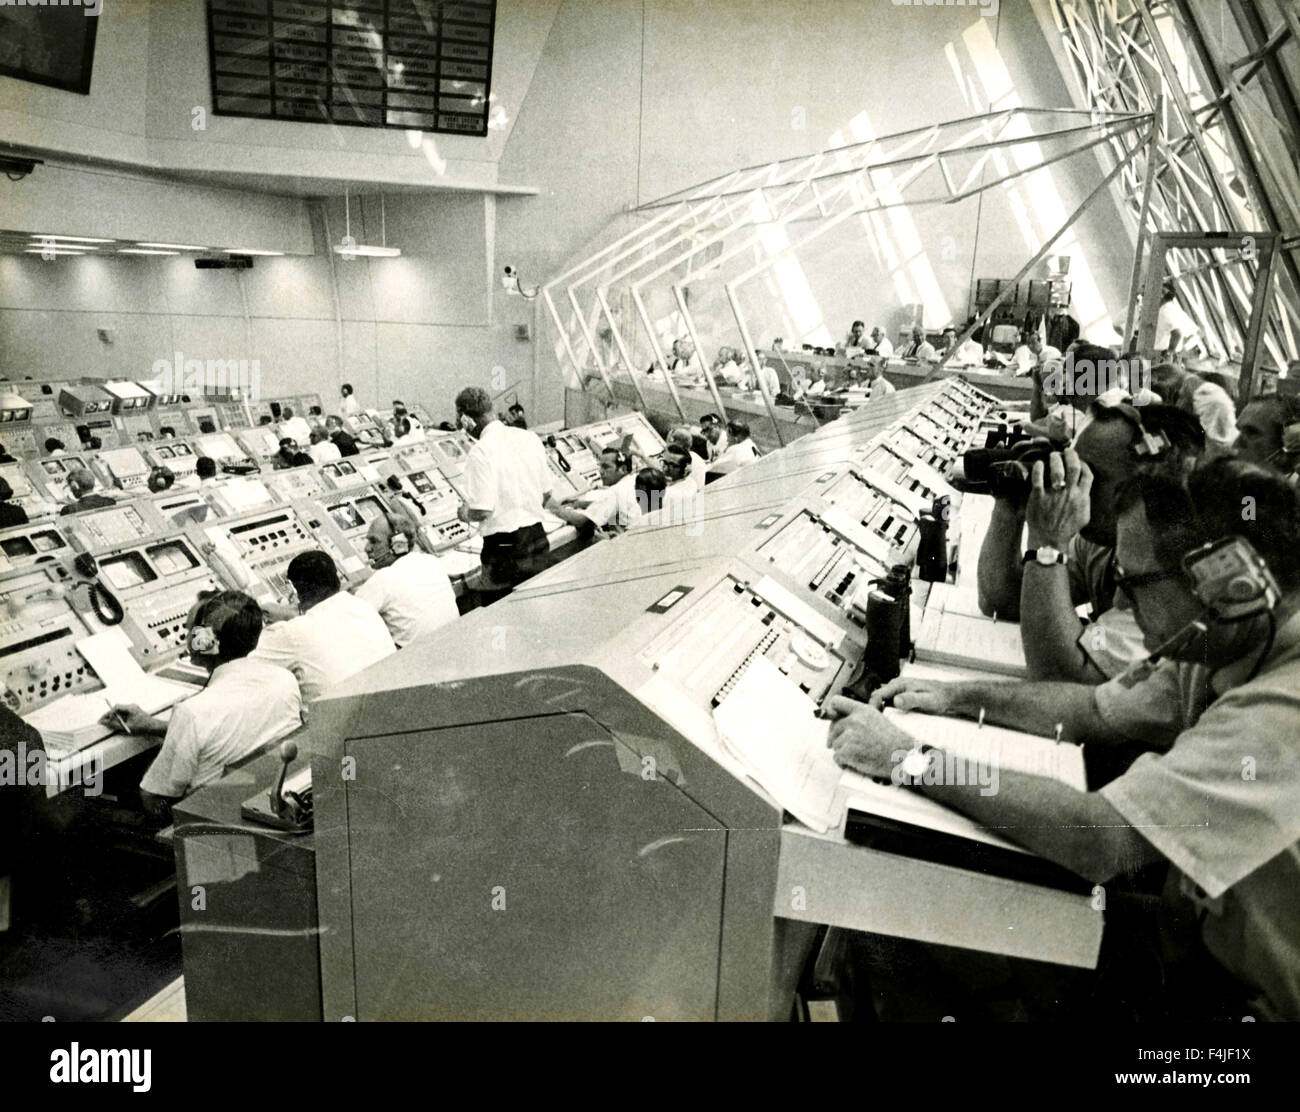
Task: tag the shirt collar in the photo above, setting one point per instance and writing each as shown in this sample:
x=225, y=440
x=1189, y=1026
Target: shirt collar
x=1286, y=647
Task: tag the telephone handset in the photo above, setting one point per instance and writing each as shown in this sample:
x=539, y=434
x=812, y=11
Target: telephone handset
x=235, y=577
x=565, y=465
x=102, y=601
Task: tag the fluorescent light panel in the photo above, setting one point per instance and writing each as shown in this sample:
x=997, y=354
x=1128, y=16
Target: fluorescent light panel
x=174, y=246
x=70, y=239
x=368, y=250
x=143, y=251
x=249, y=251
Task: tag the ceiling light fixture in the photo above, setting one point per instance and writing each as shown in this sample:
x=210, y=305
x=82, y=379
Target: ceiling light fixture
x=174, y=246
x=249, y=251
x=350, y=249
x=143, y=251
x=38, y=236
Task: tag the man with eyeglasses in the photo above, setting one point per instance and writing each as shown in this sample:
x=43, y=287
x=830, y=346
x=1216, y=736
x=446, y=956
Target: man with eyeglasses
x=1217, y=793
x=1068, y=560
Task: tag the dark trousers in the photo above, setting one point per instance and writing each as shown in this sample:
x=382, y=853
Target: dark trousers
x=510, y=558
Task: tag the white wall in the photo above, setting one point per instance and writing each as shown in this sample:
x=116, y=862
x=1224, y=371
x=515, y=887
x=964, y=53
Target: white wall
x=607, y=104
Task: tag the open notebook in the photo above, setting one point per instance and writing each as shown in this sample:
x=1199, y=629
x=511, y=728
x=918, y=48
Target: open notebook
x=73, y=722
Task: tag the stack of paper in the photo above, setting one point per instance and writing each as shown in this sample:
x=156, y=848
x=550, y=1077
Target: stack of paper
x=950, y=634
x=996, y=748
x=73, y=722
x=770, y=726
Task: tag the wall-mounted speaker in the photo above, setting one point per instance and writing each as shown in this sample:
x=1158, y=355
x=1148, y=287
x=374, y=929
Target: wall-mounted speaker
x=522, y=333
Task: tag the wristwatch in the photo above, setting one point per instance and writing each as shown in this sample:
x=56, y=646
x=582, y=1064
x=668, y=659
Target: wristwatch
x=1047, y=556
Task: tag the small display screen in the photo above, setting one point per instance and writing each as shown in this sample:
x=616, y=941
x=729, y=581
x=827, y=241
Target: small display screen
x=17, y=547
x=172, y=557
x=53, y=467
x=421, y=482
x=182, y=450
x=165, y=453
x=127, y=570
x=346, y=516
x=47, y=541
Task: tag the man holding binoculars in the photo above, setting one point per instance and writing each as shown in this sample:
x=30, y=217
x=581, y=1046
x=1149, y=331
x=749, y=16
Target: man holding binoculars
x=1065, y=501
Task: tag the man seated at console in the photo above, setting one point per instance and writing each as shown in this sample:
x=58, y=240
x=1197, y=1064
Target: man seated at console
x=742, y=450
x=613, y=507
x=855, y=343
x=682, y=489
x=1032, y=353
x=873, y=376
x=81, y=485
x=715, y=432
x=343, y=440
x=409, y=588
x=10, y=513
x=920, y=348
x=1218, y=592
x=726, y=370
x=1070, y=554
x=697, y=445
x=322, y=449
x=1268, y=434
x=205, y=470
x=880, y=344
x=335, y=634
x=245, y=703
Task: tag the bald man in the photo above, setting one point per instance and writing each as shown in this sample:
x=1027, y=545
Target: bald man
x=410, y=589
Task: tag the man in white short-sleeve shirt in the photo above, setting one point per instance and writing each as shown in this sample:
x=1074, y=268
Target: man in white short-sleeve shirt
x=245, y=704
x=335, y=634
x=410, y=589
x=1222, y=804
x=507, y=484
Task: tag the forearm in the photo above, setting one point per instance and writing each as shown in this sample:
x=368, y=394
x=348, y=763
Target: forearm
x=998, y=572
x=1036, y=708
x=1050, y=627
x=567, y=514
x=1077, y=830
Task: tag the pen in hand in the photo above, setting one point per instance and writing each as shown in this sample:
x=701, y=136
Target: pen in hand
x=117, y=715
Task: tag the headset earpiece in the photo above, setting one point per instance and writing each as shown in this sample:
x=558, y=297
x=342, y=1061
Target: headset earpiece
x=1231, y=579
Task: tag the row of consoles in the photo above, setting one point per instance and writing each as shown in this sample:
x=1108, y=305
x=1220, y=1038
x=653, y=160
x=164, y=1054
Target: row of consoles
x=140, y=563
x=549, y=810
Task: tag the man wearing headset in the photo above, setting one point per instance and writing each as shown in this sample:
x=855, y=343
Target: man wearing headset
x=245, y=703
x=1222, y=804
x=1268, y=433
x=335, y=634
x=507, y=484
x=1069, y=555
x=613, y=507
x=409, y=588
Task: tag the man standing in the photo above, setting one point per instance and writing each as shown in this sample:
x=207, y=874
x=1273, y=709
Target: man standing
x=507, y=483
